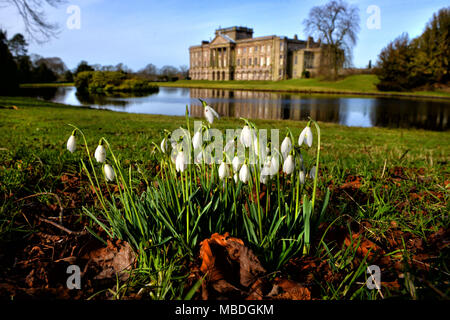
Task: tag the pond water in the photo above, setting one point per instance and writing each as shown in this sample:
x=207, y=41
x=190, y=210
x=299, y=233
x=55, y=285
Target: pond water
x=350, y=111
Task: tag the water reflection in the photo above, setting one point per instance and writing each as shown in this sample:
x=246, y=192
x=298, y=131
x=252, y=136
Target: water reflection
x=349, y=111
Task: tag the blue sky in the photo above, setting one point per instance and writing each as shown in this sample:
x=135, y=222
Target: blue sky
x=140, y=32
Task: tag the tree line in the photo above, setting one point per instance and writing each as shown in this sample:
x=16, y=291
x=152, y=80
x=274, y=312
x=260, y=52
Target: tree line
x=422, y=62
x=17, y=66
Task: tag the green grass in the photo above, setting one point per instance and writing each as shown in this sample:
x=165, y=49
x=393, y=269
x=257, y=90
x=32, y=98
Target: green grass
x=33, y=157
x=355, y=84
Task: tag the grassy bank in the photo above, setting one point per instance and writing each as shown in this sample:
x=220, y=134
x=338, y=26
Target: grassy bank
x=389, y=189
x=356, y=84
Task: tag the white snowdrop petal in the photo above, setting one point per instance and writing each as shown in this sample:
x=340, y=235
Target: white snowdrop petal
x=72, y=144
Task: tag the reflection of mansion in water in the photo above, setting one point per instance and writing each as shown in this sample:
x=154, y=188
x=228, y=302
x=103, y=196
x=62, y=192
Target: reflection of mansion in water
x=235, y=55
x=261, y=105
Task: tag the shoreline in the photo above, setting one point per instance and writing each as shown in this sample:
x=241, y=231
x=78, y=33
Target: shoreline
x=231, y=86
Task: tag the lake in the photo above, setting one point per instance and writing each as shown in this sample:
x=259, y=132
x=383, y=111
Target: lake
x=349, y=111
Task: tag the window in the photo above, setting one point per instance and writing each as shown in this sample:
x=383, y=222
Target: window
x=255, y=62
x=239, y=51
x=262, y=48
x=309, y=60
x=256, y=48
x=281, y=46
x=262, y=61
x=249, y=61
x=245, y=50
x=279, y=72
x=268, y=61
x=238, y=61
x=268, y=48
x=295, y=59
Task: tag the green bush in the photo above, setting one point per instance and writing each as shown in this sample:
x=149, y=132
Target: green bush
x=102, y=82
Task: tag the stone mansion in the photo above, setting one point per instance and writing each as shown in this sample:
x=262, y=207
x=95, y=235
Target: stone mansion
x=234, y=54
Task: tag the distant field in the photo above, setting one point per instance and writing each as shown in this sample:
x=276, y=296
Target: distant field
x=356, y=84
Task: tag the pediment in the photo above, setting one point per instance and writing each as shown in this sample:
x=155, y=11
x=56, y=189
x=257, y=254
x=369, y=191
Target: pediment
x=219, y=39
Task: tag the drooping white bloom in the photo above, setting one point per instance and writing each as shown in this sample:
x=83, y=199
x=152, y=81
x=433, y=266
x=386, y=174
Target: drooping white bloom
x=223, y=170
x=265, y=171
x=246, y=137
x=286, y=147
x=306, y=136
x=274, y=165
x=197, y=140
x=236, y=162
x=236, y=178
x=264, y=177
x=109, y=173
x=180, y=164
x=100, y=154
x=262, y=151
x=228, y=145
x=244, y=174
x=312, y=172
x=72, y=144
x=210, y=113
x=164, y=145
x=288, y=165
x=302, y=177
x=199, y=157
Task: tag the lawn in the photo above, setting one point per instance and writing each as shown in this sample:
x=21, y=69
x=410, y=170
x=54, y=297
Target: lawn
x=388, y=204
x=355, y=84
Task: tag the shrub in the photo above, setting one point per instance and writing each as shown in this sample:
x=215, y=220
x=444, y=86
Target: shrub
x=101, y=82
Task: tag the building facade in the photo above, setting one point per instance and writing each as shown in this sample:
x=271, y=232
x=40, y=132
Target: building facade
x=234, y=54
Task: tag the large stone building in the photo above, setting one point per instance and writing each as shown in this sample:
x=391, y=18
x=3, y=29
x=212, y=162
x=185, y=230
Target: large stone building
x=234, y=54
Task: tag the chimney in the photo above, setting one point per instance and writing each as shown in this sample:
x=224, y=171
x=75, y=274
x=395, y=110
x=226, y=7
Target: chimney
x=309, y=42
x=295, y=37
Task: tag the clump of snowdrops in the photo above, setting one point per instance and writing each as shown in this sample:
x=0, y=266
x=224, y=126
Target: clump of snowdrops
x=252, y=188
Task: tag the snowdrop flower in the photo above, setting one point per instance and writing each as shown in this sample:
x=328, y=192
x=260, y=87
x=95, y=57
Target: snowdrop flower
x=199, y=157
x=312, y=173
x=288, y=165
x=210, y=113
x=306, y=136
x=223, y=171
x=266, y=171
x=109, y=173
x=302, y=177
x=274, y=165
x=262, y=151
x=164, y=145
x=100, y=154
x=180, y=164
x=236, y=162
x=236, y=178
x=244, y=174
x=229, y=145
x=286, y=147
x=197, y=140
x=246, y=137
x=264, y=177
x=72, y=143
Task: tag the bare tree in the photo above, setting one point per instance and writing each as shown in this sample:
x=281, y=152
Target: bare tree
x=184, y=70
x=34, y=19
x=336, y=24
